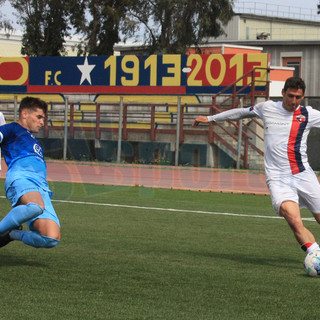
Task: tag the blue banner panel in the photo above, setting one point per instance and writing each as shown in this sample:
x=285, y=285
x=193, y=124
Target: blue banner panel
x=13, y=89
x=131, y=70
x=131, y=74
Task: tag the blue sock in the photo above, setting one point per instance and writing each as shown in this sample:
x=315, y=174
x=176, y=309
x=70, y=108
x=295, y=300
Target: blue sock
x=33, y=239
x=19, y=215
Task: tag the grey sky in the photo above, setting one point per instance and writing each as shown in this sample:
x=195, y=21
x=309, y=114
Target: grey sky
x=306, y=6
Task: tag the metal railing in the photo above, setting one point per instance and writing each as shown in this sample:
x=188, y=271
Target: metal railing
x=152, y=120
x=275, y=10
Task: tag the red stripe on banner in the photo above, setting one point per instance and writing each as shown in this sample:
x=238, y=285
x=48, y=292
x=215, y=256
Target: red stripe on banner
x=10, y=70
x=106, y=89
x=292, y=141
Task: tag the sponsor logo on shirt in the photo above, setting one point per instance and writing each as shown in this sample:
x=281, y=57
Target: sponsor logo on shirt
x=37, y=149
x=301, y=118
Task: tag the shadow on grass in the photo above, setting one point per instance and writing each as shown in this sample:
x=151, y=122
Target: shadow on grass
x=10, y=260
x=274, y=261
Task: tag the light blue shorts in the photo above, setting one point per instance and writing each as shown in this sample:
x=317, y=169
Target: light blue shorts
x=20, y=187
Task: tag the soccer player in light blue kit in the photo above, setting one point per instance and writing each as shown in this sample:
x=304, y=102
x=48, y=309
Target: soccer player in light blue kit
x=26, y=182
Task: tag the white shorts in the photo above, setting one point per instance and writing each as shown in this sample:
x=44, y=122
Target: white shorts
x=302, y=188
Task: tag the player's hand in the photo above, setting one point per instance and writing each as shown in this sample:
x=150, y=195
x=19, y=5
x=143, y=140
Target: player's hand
x=200, y=119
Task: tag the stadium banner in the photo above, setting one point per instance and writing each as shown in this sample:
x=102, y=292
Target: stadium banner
x=131, y=74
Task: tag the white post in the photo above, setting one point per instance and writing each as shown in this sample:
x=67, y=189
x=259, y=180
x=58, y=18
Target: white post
x=120, y=130
x=65, y=140
x=176, y=162
x=15, y=108
x=239, y=138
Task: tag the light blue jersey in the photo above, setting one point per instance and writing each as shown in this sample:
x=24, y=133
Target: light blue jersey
x=27, y=170
x=23, y=155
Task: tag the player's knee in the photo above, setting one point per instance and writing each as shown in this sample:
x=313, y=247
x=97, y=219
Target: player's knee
x=317, y=217
x=48, y=242
x=54, y=234
x=295, y=223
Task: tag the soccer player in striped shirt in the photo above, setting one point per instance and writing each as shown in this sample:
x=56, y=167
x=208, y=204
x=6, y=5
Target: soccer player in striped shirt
x=289, y=177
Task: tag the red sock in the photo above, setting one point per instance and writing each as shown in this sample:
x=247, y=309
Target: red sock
x=305, y=246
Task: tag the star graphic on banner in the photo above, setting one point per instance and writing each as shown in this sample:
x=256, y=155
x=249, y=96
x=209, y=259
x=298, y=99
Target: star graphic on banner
x=85, y=70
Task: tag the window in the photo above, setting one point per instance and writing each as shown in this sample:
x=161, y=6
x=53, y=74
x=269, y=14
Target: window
x=293, y=62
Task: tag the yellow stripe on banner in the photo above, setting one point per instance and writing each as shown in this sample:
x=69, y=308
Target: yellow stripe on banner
x=163, y=99
x=148, y=99
x=85, y=124
x=87, y=107
x=45, y=97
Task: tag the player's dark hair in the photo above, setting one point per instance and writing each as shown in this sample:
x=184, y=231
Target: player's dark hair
x=33, y=104
x=294, y=83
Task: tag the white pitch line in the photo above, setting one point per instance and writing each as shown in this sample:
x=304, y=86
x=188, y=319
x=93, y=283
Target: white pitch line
x=175, y=210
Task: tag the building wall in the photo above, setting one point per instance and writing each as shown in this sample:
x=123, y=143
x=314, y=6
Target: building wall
x=232, y=29
x=10, y=48
x=10, y=44
x=252, y=27
x=282, y=38
x=310, y=61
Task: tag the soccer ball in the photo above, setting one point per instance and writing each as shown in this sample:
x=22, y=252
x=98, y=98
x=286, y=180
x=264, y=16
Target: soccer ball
x=312, y=264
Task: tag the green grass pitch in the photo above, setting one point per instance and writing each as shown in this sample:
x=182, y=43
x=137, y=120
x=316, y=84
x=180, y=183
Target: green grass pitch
x=139, y=263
